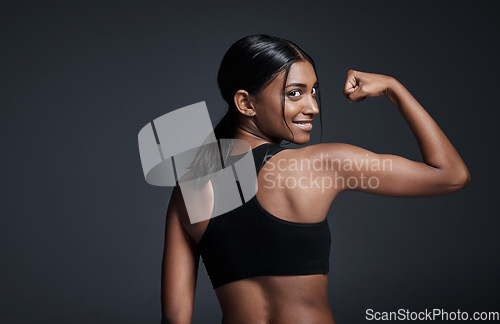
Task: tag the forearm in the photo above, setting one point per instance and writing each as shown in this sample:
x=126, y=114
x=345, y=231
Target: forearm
x=435, y=147
x=177, y=302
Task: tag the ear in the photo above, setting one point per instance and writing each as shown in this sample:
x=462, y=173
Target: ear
x=243, y=102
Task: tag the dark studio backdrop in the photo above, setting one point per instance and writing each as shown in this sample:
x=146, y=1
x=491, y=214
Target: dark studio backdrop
x=81, y=230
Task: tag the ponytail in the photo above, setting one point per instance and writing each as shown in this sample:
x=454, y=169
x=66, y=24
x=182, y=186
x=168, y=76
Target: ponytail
x=225, y=127
x=210, y=156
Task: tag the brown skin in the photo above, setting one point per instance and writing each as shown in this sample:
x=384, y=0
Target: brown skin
x=303, y=299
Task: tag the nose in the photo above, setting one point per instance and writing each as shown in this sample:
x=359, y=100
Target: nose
x=311, y=107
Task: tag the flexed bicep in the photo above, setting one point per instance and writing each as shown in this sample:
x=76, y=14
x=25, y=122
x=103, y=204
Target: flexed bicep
x=357, y=169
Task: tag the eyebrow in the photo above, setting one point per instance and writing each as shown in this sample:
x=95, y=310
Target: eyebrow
x=301, y=85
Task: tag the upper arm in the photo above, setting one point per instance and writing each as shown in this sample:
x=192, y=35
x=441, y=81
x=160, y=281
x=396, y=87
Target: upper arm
x=180, y=265
x=354, y=168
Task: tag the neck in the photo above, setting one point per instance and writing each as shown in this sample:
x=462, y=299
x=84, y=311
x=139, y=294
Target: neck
x=252, y=137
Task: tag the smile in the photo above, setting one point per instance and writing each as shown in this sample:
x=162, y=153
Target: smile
x=307, y=126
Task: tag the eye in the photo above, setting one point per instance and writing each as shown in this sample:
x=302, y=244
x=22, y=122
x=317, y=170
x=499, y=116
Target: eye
x=294, y=93
x=314, y=91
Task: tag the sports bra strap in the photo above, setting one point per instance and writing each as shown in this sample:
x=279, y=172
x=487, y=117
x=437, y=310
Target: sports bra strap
x=261, y=155
x=264, y=153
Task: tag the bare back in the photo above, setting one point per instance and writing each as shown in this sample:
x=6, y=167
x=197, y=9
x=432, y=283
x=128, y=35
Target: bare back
x=290, y=192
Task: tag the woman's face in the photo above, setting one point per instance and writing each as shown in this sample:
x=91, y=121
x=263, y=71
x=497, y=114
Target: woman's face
x=300, y=105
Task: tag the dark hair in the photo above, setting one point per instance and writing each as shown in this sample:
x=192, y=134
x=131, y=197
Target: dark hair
x=250, y=64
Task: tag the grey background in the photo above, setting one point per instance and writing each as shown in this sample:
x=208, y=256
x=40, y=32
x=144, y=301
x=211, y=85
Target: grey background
x=82, y=232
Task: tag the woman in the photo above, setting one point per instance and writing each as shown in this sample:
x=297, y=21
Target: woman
x=268, y=259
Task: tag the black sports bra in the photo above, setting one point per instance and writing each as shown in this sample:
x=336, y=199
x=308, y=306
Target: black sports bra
x=249, y=241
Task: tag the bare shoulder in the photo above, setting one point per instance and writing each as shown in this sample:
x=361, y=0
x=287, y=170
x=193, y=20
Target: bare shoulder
x=327, y=151
x=193, y=205
x=299, y=182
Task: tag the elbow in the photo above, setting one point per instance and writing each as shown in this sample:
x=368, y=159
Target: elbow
x=180, y=312
x=175, y=320
x=177, y=313
x=461, y=179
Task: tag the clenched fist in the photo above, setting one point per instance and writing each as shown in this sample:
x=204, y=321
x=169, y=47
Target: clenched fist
x=360, y=85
